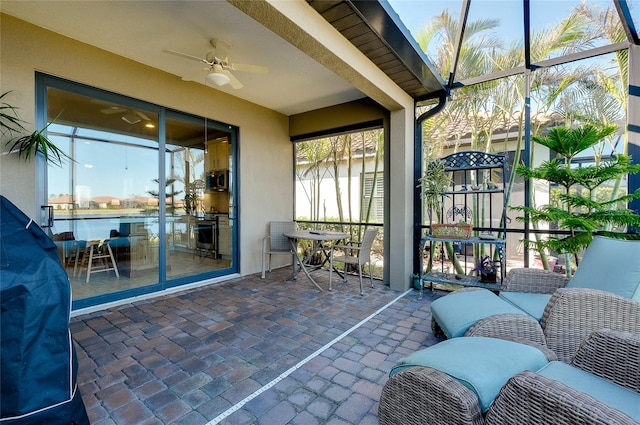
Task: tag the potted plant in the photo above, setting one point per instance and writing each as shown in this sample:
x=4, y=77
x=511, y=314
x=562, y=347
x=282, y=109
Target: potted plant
x=460, y=230
x=578, y=209
x=433, y=184
x=487, y=268
x=27, y=144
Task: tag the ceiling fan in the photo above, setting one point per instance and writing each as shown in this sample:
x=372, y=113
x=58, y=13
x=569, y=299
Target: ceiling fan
x=218, y=70
x=130, y=116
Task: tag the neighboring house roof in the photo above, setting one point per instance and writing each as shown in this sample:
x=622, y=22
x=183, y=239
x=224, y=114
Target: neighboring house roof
x=64, y=199
x=449, y=128
x=104, y=200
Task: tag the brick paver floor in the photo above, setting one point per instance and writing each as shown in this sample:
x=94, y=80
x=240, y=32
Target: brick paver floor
x=248, y=351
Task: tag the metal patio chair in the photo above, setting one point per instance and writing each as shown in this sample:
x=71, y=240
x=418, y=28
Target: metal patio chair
x=356, y=253
x=276, y=242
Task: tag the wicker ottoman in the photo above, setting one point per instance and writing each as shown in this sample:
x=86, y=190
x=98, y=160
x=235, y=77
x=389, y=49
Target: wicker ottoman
x=454, y=381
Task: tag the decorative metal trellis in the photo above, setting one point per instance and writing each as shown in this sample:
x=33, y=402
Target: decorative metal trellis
x=472, y=160
x=460, y=210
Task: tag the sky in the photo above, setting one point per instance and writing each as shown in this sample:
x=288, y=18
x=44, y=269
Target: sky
x=417, y=13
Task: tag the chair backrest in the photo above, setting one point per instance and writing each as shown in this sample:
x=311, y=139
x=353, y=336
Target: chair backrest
x=277, y=229
x=367, y=243
x=611, y=265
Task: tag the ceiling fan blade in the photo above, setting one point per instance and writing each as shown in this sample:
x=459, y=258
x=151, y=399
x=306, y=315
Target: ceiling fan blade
x=222, y=48
x=112, y=110
x=142, y=115
x=258, y=69
x=184, y=55
x=198, y=75
x=233, y=81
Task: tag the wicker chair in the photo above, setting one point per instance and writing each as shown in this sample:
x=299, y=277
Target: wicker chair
x=277, y=243
x=567, y=315
x=529, y=398
x=423, y=395
x=570, y=315
x=354, y=253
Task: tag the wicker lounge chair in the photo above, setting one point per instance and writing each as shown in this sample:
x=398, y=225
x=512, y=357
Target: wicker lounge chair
x=608, y=361
x=535, y=304
x=531, y=398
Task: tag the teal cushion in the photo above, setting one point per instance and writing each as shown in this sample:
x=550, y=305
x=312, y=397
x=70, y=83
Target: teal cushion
x=610, y=265
x=481, y=364
x=458, y=311
x=614, y=395
x=531, y=303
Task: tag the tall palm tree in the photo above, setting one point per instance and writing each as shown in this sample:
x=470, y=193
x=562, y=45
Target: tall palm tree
x=485, y=107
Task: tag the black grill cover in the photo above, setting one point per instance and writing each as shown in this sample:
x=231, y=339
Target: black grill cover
x=38, y=364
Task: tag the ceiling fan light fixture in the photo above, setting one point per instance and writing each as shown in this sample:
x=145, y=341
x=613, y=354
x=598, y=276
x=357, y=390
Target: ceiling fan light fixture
x=218, y=78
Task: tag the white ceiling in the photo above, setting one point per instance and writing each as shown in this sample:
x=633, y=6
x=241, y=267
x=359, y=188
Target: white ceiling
x=140, y=30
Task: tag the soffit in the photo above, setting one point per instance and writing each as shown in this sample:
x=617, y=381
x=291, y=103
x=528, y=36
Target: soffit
x=376, y=30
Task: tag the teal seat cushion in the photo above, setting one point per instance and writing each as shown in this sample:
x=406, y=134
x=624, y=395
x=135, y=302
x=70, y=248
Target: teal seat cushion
x=481, y=364
x=610, y=265
x=613, y=395
x=458, y=311
x=531, y=303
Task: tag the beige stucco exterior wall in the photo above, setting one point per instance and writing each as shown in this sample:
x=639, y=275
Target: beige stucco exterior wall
x=265, y=149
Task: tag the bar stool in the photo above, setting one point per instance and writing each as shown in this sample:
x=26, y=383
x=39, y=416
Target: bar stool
x=98, y=257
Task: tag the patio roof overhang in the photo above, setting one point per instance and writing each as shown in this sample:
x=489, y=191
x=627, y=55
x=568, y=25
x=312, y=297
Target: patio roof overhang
x=377, y=31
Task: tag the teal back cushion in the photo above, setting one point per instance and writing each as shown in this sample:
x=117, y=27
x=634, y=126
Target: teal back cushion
x=610, y=265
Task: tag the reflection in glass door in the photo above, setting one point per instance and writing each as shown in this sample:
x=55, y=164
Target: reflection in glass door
x=198, y=165
x=106, y=200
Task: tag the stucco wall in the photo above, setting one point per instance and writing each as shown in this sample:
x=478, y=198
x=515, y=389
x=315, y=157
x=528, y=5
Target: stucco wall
x=264, y=148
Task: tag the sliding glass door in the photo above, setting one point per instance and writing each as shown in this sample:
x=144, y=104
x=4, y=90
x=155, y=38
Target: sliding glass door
x=144, y=201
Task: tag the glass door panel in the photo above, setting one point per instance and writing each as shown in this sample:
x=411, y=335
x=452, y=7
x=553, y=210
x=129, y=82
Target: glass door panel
x=197, y=224
x=105, y=200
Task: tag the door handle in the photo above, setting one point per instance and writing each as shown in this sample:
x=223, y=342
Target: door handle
x=46, y=216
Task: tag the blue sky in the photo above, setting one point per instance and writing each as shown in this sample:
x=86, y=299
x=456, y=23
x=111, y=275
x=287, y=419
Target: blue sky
x=417, y=13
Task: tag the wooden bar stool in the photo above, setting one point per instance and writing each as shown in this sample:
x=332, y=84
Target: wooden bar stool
x=98, y=257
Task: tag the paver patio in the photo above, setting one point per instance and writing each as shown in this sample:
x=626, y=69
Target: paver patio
x=248, y=351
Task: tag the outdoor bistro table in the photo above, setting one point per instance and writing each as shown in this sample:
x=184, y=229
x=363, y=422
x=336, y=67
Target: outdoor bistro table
x=318, y=237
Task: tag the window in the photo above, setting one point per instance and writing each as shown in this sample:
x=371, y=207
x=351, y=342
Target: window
x=335, y=178
x=373, y=198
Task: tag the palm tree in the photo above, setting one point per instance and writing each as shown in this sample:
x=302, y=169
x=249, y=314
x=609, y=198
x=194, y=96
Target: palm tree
x=487, y=106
